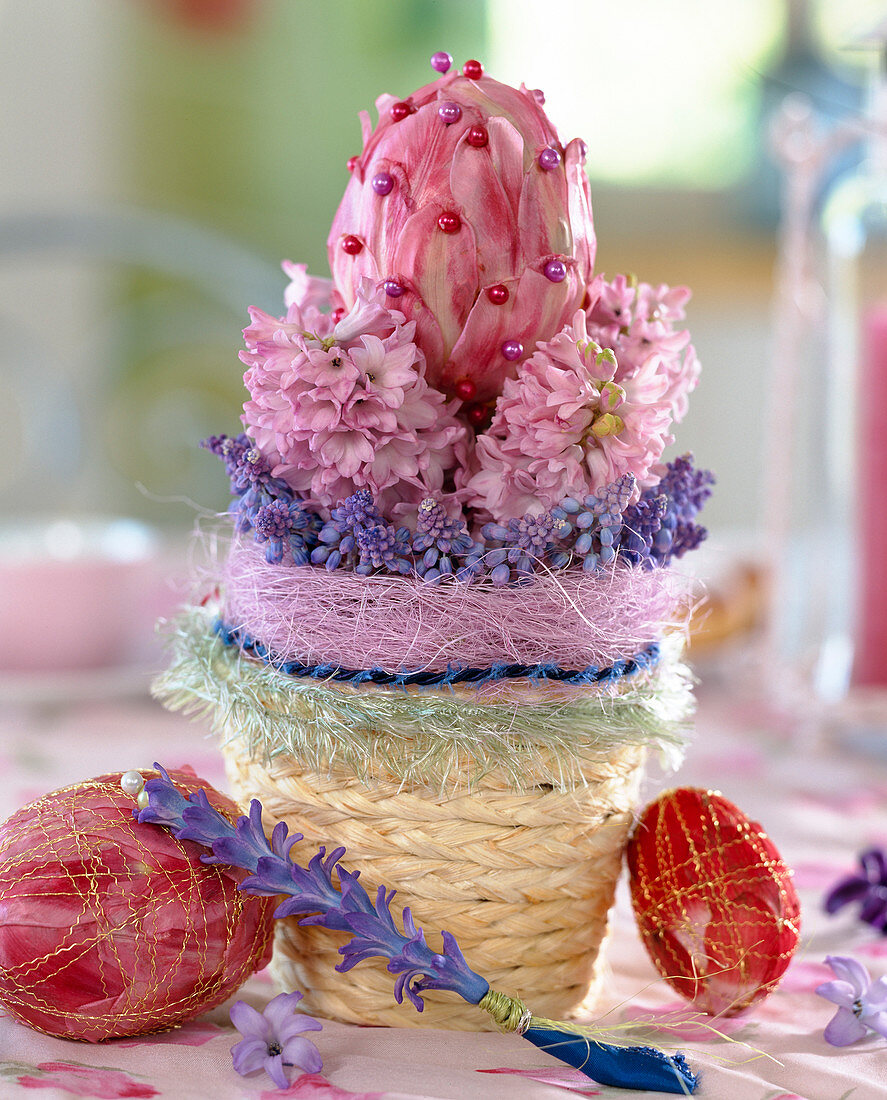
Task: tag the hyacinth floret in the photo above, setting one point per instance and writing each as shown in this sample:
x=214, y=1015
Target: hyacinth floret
x=440, y=543
x=383, y=547
x=273, y=1039
x=338, y=536
x=862, y=1003
x=285, y=526
x=867, y=886
x=311, y=892
x=522, y=545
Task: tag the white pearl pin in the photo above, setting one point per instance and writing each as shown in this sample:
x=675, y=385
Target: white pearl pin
x=132, y=783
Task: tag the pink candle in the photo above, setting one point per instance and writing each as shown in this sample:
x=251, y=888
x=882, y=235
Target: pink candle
x=77, y=594
x=871, y=634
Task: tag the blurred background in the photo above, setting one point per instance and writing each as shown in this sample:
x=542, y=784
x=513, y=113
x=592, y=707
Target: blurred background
x=160, y=157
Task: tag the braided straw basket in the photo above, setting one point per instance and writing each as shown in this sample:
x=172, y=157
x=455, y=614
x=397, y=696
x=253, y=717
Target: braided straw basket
x=498, y=812
x=523, y=880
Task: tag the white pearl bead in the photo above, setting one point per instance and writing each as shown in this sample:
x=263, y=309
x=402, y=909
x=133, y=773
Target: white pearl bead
x=143, y=800
x=132, y=782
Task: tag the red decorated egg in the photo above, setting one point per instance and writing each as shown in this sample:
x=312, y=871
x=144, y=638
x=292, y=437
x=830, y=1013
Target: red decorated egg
x=713, y=899
x=111, y=928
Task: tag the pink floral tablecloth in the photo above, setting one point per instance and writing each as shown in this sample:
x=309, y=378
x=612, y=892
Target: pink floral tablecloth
x=820, y=808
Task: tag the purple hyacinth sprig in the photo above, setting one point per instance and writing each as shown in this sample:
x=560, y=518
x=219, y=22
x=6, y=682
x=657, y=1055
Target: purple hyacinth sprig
x=311, y=892
x=596, y=522
x=442, y=545
x=231, y=451
x=868, y=887
x=248, y=471
x=263, y=503
x=384, y=547
x=337, y=540
x=661, y=525
x=686, y=489
x=285, y=526
x=357, y=537
x=517, y=548
x=641, y=523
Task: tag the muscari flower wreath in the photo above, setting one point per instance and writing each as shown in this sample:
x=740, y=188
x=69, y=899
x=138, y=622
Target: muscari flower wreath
x=432, y=585
x=312, y=894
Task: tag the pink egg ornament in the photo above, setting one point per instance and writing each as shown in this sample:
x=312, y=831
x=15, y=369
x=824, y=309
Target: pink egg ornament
x=111, y=928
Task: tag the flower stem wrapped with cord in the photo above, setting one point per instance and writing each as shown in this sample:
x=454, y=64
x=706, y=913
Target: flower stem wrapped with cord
x=310, y=891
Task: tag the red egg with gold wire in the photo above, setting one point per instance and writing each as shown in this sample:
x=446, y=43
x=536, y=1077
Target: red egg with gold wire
x=714, y=900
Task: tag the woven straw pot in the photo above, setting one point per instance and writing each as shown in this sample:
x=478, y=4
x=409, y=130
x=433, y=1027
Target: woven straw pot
x=523, y=880
x=498, y=810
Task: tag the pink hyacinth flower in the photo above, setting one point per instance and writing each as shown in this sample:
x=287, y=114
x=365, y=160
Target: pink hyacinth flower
x=341, y=405
x=569, y=424
x=639, y=323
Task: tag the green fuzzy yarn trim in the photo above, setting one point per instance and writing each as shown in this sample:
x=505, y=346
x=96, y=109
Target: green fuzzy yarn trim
x=443, y=739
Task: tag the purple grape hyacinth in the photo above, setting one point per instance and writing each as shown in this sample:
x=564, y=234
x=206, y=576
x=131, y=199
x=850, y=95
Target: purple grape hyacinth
x=441, y=542
x=660, y=526
x=598, y=519
x=358, y=537
x=383, y=547
x=338, y=536
x=264, y=503
x=686, y=490
x=640, y=525
x=285, y=527
x=248, y=471
x=522, y=545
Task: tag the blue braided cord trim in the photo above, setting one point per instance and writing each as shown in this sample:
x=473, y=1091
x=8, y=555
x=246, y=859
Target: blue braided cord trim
x=609, y=674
